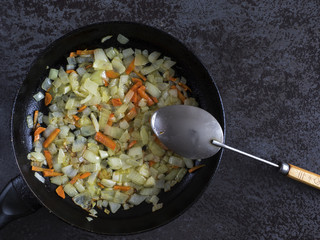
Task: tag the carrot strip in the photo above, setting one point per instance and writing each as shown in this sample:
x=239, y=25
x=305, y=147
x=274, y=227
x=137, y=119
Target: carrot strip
x=47, y=99
x=60, y=192
x=157, y=140
x=100, y=185
x=37, y=133
x=184, y=86
x=134, y=98
x=131, y=144
x=72, y=54
x=40, y=169
x=180, y=95
x=135, y=80
x=51, y=173
x=51, y=137
x=131, y=114
x=48, y=157
x=144, y=95
x=151, y=163
x=75, y=117
x=196, y=168
x=130, y=67
x=121, y=188
x=75, y=178
x=110, y=120
x=85, y=175
x=70, y=71
x=155, y=99
x=172, y=79
x=82, y=108
x=112, y=74
x=116, y=102
x=85, y=52
x=106, y=83
x=140, y=75
x=106, y=141
x=88, y=66
x=35, y=118
x=98, y=107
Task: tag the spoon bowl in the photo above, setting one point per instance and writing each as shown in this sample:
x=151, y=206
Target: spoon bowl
x=187, y=130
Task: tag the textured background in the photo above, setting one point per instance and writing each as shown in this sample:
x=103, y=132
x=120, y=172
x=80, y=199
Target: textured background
x=264, y=56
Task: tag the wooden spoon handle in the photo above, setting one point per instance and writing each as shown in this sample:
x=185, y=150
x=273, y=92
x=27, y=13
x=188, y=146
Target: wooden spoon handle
x=304, y=176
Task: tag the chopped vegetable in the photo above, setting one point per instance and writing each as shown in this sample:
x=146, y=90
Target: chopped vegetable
x=37, y=133
x=60, y=192
x=191, y=170
x=106, y=141
x=51, y=137
x=122, y=39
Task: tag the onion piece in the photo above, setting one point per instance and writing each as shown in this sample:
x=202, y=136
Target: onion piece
x=39, y=96
x=122, y=39
x=39, y=177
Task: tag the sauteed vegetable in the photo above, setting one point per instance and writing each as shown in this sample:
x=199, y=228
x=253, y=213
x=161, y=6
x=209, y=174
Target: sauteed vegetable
x=96, y=143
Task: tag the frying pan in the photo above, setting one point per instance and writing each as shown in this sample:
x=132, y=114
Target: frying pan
x=15, y=200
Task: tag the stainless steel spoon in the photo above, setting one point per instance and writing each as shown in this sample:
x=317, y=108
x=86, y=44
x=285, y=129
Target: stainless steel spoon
x=194, y=133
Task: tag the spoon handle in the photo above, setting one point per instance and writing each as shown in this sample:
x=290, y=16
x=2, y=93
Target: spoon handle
x=301, y=175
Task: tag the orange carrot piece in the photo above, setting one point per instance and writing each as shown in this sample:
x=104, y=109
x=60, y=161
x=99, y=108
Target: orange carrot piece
x=72, y=54
x=48, y=157
x=180, y=95
x=51, y=173
x=60, y=192
x=121, y=188
x=112, y=74
x=116, y=102
x=172, y=79
x=106, y=141
x=131, y=144
x=106, y=83
x=144, y=95
x=51, y=137
x=85, y=175
x=196, y=168
x=82, y=108
x=85, y=52
x=100, y=185
x=130, y=67
x=131, y=114
x=47, y=99
x=98, y=107
x=140, y=75
x=157, y=140
x=110, y=120
x=151, y=163
x=75, y=178
x=184, y=86
x=70, y=71
x=75, y=117
x=134, y=98
x=40, y=169
x=35, y=118
x=88, y=66
x=37, y=133
x=155, y=99
x=135, y=80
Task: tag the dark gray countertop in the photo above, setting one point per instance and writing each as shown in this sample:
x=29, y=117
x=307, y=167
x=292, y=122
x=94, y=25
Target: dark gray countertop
x=264, y=57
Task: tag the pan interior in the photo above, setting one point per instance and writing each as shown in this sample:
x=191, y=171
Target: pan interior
x=139, y=218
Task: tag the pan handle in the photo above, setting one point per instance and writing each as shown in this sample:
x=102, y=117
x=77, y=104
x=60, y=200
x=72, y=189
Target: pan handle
x=16, y=200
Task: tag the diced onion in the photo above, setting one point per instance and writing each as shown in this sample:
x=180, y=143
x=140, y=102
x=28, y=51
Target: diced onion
x=39, y=96
x=122, y=39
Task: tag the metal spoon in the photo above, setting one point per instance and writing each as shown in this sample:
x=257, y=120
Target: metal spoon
x=194, y=133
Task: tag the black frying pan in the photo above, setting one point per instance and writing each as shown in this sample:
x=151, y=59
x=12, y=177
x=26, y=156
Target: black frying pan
x=139, y=218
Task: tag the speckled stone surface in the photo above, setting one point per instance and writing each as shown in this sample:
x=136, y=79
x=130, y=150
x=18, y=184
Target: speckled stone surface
x=264, y=57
